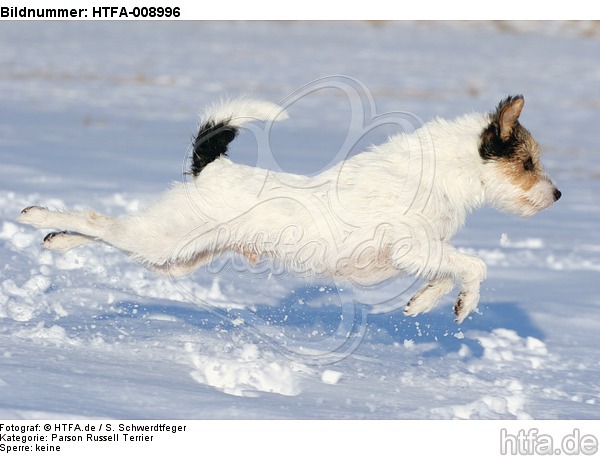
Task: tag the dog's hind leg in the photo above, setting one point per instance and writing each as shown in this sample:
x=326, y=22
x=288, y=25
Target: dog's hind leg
x=63, y=241
x=151, y=240
x=87, y=223
x=78, y=228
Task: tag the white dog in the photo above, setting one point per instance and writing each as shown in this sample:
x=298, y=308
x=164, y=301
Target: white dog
x=391, y=209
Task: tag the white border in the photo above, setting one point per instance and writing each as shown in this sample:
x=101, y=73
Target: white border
x=363, y=10
x=344, y=438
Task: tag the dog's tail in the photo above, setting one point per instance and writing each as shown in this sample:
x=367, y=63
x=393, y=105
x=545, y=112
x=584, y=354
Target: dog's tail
x=220, y=124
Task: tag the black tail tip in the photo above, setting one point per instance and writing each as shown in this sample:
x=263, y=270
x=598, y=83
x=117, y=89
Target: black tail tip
x=211, y=142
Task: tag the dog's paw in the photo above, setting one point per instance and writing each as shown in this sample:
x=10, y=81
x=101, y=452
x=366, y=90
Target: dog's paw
x=428, y=297
x=420, y=302
x=33, y=215
x=465, y=304
x=30, y=208
x=63, y=241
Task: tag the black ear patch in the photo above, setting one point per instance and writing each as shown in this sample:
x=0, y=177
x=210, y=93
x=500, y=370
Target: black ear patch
x=502, y=137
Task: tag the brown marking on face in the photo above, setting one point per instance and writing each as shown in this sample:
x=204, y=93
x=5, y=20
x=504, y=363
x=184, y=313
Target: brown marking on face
x=523, y=166
x=515, y=157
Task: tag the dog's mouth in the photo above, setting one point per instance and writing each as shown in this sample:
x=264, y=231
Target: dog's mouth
x=530, y=206
x=541, y=196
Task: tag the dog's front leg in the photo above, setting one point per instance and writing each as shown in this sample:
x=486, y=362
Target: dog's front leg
x=470, y=271
x=428, y=297
x=444, y=268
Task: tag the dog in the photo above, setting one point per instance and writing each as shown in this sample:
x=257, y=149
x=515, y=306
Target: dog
x=391, y=209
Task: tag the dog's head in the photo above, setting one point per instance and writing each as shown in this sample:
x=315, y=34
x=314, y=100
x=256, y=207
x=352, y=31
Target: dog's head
x=514, y=178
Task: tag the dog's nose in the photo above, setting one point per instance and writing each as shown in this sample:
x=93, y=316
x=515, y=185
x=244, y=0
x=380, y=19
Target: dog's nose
x=557, y=194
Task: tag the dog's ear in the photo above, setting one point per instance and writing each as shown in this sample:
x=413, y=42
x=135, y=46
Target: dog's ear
x=509, y=111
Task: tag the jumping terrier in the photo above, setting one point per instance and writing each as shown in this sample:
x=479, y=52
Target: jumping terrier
x=389, y=210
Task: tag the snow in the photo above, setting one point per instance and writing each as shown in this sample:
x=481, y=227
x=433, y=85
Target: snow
x=330, y=376
x=100, y=115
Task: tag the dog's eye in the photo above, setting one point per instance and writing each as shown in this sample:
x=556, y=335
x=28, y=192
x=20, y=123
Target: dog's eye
x=528, y=164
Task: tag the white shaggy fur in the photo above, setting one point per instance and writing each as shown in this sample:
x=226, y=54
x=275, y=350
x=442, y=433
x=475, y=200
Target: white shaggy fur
x=392, y=209
x=239, y=111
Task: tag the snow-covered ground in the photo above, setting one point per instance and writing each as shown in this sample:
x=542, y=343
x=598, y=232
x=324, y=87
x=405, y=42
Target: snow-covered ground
x=101, y=115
